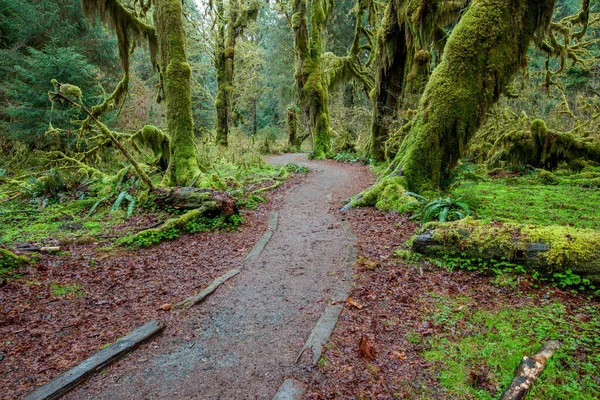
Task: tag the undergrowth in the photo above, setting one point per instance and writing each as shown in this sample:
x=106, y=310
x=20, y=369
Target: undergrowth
x=477, y=348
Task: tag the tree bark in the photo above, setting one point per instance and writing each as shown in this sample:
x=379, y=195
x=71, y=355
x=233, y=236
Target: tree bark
x=529, y=370
x=175, y=74
x=309, y=71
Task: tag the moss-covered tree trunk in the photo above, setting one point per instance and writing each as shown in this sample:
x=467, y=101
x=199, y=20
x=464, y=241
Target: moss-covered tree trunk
x=486, y=48
x=175, y=73
x=224, y=55
x=309, y=70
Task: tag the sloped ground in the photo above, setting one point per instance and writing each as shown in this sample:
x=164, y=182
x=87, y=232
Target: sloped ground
x=243, y=341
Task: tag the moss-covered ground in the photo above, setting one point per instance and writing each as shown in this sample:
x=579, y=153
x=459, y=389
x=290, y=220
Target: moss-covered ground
x=477, y=348
x=526, y=200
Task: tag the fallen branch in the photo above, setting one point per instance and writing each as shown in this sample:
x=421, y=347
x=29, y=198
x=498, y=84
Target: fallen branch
x=529, y=370
x=38, y=249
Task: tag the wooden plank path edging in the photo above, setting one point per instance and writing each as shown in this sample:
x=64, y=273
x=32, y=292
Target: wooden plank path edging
x=262, y=243
x=290, y=389
x=67, y=381
x=198, y=298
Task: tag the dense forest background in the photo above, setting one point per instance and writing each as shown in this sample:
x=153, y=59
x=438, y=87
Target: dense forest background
x=50, y=39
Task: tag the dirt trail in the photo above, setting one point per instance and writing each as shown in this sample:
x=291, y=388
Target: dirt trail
x=243, y=341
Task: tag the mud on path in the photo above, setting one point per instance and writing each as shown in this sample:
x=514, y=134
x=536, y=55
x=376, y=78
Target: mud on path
x=243, y=341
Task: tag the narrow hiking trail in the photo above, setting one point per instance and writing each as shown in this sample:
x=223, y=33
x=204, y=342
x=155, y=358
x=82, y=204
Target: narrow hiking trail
x=243, y=340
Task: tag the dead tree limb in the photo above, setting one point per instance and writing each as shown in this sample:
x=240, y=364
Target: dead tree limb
x=529, y=370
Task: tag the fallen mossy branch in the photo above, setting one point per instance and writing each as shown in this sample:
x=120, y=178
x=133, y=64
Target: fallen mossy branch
x=546, y=249
x=544, y=148
x=199, y=202
x=10, y=261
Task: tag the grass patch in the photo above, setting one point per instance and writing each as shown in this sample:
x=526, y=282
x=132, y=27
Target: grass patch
x=71, y=291
x=477, y=350
x=526, y=202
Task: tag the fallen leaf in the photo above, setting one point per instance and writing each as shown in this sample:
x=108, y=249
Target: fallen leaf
x=399, y=354
x=166, y=307
x=366, y=348
x=354, y=303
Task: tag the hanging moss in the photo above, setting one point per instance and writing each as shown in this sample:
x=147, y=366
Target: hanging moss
x=176, y=74
x=155, y=139
x=548, y=249
x=403, y=60
x=485, y=49
x=125, y=23
x=543, y=148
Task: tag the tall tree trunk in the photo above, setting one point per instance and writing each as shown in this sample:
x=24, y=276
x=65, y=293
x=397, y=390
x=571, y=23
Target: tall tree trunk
x=223, y=83
x=389, y=80
x=254, y=117
x=175, y=72
x=486, y=48
x=309, y=70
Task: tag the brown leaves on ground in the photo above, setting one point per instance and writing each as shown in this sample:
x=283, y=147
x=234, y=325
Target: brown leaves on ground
x=44, y=334
x=395, y=299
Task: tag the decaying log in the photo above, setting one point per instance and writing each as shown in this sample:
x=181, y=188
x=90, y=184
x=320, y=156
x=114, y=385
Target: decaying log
x=188, y=198
x=529, y=370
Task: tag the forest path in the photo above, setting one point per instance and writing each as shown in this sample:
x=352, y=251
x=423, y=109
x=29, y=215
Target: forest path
x=244, y=339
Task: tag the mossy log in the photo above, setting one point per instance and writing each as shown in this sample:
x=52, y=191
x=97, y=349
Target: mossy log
x=9, y=260
x=189, y=198
x=548, y=249
x=544, y=148
x=198, y=202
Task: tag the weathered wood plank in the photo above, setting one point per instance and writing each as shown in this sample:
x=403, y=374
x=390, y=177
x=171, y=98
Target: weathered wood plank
x=197, y=298
x=290, y=389
x=321, y=332
x=273, y=221
x=259, y=247
x=64, y=383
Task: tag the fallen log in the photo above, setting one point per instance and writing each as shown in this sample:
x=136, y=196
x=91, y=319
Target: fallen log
x=198, y=202
x=529, y=370
x=189, y=198
x=49, y=249
x=547, y=249
x=8, y=259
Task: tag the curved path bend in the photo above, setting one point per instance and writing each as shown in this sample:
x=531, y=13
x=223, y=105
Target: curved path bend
x=243, y=340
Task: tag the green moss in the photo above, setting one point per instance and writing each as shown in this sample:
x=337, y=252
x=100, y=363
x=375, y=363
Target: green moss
x=9, y=262
x=157, y=141
x=486, y=343
x=577, y=250
x=526, y=201
x=175, y=74
x=388, y=194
